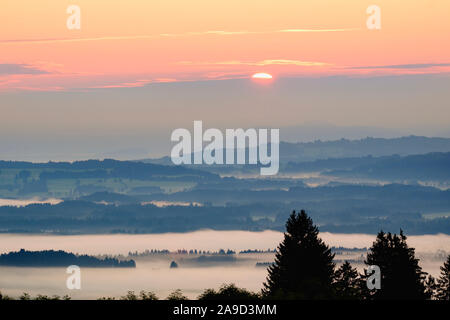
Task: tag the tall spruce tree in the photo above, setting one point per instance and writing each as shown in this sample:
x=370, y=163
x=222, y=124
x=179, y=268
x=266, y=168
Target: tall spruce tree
x=401, y=275
x=443, y=283
x=303, y=267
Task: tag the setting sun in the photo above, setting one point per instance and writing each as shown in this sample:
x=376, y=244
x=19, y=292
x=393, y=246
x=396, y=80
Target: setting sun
x=262, y=76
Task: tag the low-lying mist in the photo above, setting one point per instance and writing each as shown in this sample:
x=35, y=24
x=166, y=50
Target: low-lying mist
x=194, y=273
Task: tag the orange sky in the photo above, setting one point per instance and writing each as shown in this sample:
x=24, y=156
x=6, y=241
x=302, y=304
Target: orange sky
x=128, y=43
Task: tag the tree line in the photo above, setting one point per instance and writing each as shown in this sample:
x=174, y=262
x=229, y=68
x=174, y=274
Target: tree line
x=52, y=258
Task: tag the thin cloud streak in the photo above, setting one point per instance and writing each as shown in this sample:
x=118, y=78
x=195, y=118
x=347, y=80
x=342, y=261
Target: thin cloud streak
x=135, y=84
x=161, y=35
x=267, y=62
x=404, y=66
x=318, y=30
x=63, y=40
x=19, y=68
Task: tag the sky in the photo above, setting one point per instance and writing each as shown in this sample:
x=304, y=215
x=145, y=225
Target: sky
x=135, y=70
x=134, y=42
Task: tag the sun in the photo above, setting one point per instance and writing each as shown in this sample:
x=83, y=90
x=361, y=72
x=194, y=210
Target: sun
x=262, y=75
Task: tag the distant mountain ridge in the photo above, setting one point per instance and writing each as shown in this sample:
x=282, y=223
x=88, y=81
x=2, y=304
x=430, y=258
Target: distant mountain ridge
x=376, y=147
x=344, y=148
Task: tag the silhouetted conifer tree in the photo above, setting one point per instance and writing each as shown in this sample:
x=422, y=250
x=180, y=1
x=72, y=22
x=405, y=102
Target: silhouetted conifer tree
x=303, y=267
x=401, y=275
x=443, y=283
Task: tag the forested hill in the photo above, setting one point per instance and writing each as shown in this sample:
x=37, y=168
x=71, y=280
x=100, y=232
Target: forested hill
x=51, y=258
x=103, y=169
x=431, y=166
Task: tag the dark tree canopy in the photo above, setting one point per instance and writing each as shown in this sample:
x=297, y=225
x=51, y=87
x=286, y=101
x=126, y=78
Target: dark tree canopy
x=177, y=295
x=401, y=275
x=443, y=283
x=52, y=258
x=228, y=292
x=431, y=287
x=143, y=295
x=303, y=267
x=347, y=283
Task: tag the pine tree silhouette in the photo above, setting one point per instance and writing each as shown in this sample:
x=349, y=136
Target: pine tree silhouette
x=303, y=267
x=401, y=275
x=443, y=290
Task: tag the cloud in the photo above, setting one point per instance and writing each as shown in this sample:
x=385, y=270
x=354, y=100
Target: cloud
x=289, y=62
x=221, y=33
x=133, y=84
x=318, y=30
x=267, y=62
x=132, y=37
x=62, y=40
x=14, y=68
x=405, y=66
x=161, y=35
